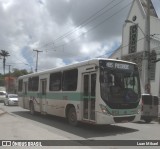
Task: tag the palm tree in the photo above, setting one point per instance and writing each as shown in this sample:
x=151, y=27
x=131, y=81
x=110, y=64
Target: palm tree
x=4, y=54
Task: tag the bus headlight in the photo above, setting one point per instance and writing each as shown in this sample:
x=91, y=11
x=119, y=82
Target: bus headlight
x=104, y=109
x=139, y=110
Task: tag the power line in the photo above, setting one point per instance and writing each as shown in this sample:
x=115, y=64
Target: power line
x=91, y=28
x=82, y=23
x=123, y=46
x=62, y=36
x=87, y=21
x=100, y=15
x=96, y=25
x=140, y=40
x=16, y=57
x=22, y=62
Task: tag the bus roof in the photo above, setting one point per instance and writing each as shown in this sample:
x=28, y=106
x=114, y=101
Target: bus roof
x=75, y=65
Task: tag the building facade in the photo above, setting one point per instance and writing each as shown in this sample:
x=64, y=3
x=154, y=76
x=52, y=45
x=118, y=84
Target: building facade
x=133, y=45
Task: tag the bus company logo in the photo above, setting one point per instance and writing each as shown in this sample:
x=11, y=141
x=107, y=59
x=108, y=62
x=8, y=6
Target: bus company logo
x=109, y=64
x=118, y=66
x=6, y=143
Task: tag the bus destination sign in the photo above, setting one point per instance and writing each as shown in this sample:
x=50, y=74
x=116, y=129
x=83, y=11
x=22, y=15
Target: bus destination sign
x=116, y=65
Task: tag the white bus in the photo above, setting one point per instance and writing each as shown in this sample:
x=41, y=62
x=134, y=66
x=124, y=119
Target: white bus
x=97, y=91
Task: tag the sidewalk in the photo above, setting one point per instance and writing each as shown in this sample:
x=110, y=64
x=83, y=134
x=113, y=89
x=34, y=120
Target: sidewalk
x=2, y=111
x=15, y=128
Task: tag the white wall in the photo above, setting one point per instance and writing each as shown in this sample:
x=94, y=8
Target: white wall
x=135, y=11
x=155, y=29
x=155, y=25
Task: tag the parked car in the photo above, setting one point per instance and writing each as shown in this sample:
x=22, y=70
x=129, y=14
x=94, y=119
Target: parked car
x=2, y=95
x=11, y=99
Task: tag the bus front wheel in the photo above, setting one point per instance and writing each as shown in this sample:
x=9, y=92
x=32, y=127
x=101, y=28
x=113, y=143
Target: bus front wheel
x=72, y=117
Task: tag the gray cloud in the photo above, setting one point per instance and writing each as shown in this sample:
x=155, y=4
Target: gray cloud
x=41, y=24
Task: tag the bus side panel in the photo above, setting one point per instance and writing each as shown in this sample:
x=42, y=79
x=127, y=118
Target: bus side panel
x=23, y=101
x=36, y=102
x=55, y=107
x=20, y=101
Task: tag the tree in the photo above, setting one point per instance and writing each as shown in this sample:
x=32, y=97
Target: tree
x=17, y=72
x=4, y=54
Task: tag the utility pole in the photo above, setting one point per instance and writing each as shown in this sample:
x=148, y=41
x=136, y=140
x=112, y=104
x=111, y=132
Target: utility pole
x=147, y=51
x=37, y=59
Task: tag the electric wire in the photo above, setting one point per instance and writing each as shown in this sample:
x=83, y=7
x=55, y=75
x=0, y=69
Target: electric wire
x=95, y=26
x=84, y=22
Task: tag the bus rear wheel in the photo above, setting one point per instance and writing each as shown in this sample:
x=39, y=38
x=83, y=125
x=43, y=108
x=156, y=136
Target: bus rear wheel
x=32, y=111
x=72, y=117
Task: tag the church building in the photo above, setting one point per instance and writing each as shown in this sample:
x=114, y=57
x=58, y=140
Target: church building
x=133, y=45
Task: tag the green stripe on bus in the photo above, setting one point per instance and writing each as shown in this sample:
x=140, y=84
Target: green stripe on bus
x=60, y=96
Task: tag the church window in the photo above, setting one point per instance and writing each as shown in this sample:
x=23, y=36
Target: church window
x=133, y=38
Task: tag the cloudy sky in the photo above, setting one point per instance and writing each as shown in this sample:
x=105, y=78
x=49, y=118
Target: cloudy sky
x=67, y=31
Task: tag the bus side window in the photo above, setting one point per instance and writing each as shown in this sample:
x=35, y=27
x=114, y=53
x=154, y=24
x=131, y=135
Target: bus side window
x=70, y=79
x=55, y=81
x=20, y=84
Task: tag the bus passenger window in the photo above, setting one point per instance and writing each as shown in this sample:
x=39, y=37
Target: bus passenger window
x=55, y=81
x=20, y=84
x=70, y=78
x=33, y=84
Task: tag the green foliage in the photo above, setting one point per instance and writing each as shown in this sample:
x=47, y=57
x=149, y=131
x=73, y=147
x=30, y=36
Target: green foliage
x=4, y=54
x=17, y=72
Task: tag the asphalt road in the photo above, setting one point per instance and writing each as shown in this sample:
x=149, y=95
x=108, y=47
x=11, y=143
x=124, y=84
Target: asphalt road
x=18, y=124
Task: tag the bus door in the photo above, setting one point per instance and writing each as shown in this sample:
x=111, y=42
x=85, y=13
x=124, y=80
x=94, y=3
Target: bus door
x=89, y=96
x=25, y=91
x=43, y=89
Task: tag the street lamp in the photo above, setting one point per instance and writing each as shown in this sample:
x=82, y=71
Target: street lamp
x=146, y=56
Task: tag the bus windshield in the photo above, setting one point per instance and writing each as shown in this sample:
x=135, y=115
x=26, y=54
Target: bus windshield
x=120, y=86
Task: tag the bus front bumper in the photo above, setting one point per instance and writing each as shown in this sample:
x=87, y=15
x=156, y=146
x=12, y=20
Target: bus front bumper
x=110, y=119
